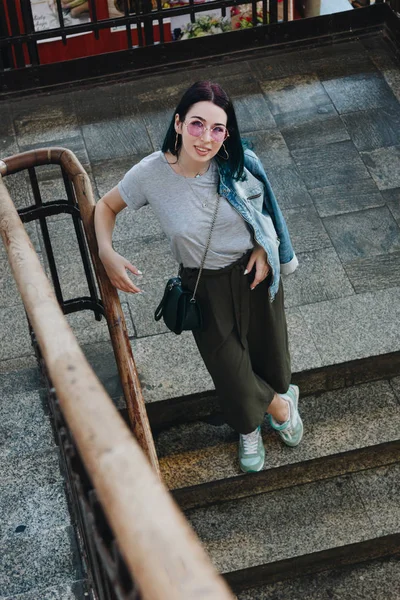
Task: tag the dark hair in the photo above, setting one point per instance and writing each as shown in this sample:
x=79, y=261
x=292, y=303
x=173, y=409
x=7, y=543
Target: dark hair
x=210, y=92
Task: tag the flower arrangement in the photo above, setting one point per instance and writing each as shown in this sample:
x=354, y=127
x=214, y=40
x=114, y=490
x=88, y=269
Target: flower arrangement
x=242, y=16
x=206, y=25
x=175, y=3
x=172, y=3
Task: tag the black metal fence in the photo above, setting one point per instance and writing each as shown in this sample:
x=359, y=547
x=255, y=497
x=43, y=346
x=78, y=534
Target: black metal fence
x=145, y=34
x=17, y=23
x=105, y=570
x=40, y=211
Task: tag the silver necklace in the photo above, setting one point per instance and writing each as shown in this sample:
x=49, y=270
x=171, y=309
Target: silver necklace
x=199, y=174
x=211, y=194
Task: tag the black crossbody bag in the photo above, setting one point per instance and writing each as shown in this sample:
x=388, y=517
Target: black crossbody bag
x=179, y=307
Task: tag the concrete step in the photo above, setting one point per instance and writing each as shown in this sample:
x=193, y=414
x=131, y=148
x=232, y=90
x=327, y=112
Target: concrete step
x=73, y=591
x=346, y=430
x=41, y=469
x=39, y=562
x=28, y=509
x=377, y=580
x=305, y=529
x=24, y=424
x=38, y=549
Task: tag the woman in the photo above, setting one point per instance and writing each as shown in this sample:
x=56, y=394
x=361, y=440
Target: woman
x=203, y=168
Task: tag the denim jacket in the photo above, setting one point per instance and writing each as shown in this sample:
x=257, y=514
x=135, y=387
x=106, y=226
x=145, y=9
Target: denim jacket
x=256, y=203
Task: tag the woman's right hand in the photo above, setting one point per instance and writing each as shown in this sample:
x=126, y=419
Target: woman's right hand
x=116, y=267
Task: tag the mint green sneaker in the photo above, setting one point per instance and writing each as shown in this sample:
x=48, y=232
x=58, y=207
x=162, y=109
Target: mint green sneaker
x=251, y=451
x=291, y=431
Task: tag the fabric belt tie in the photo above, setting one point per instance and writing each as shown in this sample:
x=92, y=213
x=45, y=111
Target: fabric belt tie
x=239, y=285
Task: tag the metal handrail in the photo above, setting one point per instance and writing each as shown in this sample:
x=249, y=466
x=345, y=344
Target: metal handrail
x=161, y=551
x=112, y=307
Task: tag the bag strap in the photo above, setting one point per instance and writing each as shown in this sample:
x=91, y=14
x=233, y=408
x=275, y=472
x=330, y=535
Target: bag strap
x=159, y=310
x=207, y=247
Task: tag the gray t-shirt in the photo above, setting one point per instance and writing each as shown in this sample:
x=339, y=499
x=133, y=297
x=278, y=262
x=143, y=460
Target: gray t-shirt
x=185, y=208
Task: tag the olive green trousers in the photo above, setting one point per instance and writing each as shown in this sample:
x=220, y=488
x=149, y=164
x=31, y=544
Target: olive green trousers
x=244, y=341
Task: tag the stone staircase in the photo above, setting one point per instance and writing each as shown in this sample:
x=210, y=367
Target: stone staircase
x=333, y=500
x=326, y=122
x=39, y=555
x=321, y=520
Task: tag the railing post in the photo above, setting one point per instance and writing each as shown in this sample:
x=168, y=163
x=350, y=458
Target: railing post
x=112, y=306
x=14, y=30
x=147, y=7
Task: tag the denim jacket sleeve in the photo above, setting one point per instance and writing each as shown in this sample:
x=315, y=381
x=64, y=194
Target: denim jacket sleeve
x=288, y=259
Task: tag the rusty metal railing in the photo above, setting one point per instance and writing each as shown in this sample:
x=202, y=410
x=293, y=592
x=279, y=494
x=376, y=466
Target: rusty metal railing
x=159, y=551
x=81, y=205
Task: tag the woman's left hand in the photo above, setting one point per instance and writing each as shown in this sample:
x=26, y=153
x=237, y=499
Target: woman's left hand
x=259, y=259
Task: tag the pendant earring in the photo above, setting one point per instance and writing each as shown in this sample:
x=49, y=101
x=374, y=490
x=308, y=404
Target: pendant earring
x=176, y=143
x=226, y=152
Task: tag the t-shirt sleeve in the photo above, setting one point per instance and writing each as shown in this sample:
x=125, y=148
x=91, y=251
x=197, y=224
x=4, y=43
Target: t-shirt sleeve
x=131, y=188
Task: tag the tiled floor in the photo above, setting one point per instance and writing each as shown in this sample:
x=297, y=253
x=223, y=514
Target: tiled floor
x=324, y=121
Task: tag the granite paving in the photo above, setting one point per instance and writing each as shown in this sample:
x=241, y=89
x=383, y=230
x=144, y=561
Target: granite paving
x=42, y=471
x=44, y=121
x=356, y=326
x=55, y=560
x=315, y=164
x=392, y=197
x=376, y=128
x=351, y=197
x=315, y=133
x=25, y=426
x=348, y=59
x=7, y=139
x=29, y=510
x=322, y=277
x=14, y=333
x=364, y=234
x=361, y=91
x=383, y=166
x=118, y=132
x=17, y=185
x=289, y=188
x=303, y=350
x=271, y=147
x=300, y=91
x=250, y=104
x=308, y=232
x=300, y=118
x=374, y=273
x=101, y=358
x=324, y=121
x=157, y=110
x=396, y=386
x=35, y=519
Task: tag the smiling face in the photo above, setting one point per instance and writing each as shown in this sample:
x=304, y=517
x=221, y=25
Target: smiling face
x=200, y=149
